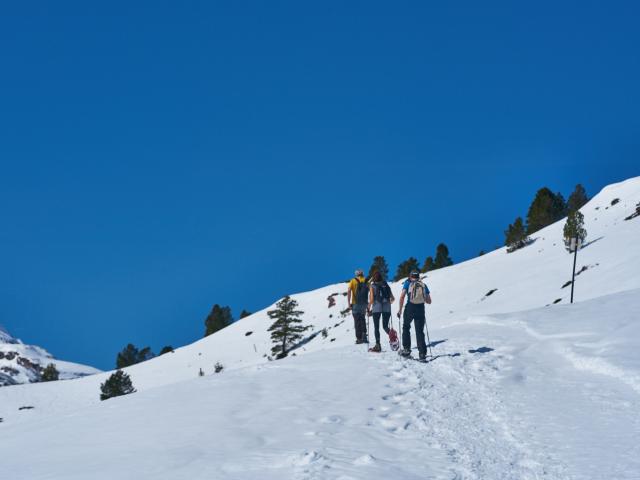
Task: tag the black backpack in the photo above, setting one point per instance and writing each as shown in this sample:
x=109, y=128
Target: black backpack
x=362, y=293
x=382, y=292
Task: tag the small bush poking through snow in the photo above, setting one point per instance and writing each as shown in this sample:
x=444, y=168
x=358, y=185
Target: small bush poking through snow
x=218, y=367
x=116, y=385
x=615, y=201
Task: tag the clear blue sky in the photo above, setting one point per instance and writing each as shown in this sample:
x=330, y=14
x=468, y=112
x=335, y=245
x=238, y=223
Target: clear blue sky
x=160, y=157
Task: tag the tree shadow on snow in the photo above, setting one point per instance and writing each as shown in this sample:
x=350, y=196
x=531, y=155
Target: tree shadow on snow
x=482, y=350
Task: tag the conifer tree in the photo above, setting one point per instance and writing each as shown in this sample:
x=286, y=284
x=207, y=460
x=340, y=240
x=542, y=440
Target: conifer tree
x=145, y=354
x=428, y=265
x=50, y=373
x=244, y=313
x=166, y=349
x=545, y=209
x=116, y=385
x=574, y=228
x=442, y=257
x=405, y=268
x=515, y=236
x=577, y=199
x=287, y=328
x=130, y=355
x=218, y=318
x=379, y=265
x=127, y=357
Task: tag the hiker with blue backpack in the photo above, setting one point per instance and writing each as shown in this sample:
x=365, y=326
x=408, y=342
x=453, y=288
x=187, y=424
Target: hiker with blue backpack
x=358, y=299
x=380, y=300
x=417, y=295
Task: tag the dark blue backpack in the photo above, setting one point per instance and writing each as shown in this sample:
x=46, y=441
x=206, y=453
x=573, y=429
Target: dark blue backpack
x=362, y=293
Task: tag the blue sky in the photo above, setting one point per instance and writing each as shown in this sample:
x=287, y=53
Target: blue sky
x=160, y=157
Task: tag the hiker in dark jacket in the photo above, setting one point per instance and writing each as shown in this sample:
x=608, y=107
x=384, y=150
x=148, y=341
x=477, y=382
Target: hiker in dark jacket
x=417, y=295
x=380, y=300
x=357, y=296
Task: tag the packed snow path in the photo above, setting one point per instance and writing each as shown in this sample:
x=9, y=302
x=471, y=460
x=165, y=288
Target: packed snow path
x=546, y=394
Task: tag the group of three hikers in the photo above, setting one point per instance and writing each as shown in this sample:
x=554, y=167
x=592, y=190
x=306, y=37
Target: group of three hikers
x=375, y=298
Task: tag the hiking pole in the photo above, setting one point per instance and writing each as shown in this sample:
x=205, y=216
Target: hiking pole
x=428, y=339
x=400, y=329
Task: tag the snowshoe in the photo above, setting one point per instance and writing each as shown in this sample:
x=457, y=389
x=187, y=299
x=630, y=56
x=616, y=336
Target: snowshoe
x=376, y=348
x=394, y=343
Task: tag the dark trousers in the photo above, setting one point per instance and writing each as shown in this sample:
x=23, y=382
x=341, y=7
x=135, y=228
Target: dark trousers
x=360, y=321
x=414, y=313
x=385, y=323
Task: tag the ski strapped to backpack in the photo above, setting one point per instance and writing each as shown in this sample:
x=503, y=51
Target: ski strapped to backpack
x=417, y=293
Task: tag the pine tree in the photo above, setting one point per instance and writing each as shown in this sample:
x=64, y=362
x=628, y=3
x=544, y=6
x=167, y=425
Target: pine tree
x=442, y=257
x=515, y=236
x=545, y=209
x=574, y=228
x=116, y=385
x=127, y=357
x=577, y=199
x=286, y=330
x=145, y=354
x=50, y=373
x=405, y=268
x=166, y=349
x=428, y=265
x=218, y=318
x=379, y=265
x=130, y=355
x=244, y=313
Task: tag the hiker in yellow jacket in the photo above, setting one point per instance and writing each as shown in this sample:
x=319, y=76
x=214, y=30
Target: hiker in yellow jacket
x=358, y=298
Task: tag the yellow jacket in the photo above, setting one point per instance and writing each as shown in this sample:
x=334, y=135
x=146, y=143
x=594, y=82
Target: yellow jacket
x=353, y=286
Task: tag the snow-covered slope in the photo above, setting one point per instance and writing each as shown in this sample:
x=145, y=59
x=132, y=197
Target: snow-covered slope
x=20, y=363
x=546, y=393
x=512, y=404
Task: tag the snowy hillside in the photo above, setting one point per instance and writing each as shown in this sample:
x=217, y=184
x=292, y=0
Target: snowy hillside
x=547, y=393
x=525, y=385
x=20, y=363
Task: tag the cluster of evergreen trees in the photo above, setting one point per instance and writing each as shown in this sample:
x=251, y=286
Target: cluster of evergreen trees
x=440, y=260
x=219, y=317
x=546, y=208
x=130, y=355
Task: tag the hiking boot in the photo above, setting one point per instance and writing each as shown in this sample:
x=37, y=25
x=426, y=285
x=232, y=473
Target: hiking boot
x=422, y=357
x=405, y=352
x=376, y=348
x=359, y=341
